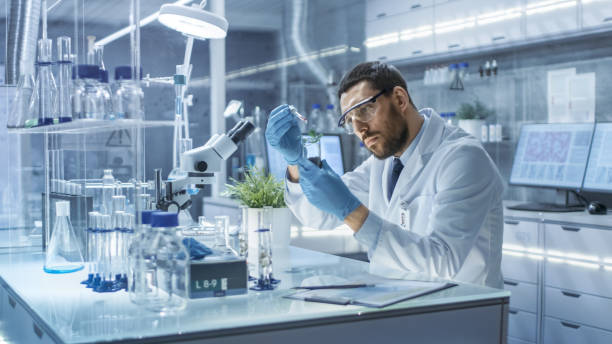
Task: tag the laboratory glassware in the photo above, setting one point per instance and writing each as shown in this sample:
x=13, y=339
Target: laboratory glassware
x=243, y=232
x=105, y=233
x=63, y=252
x=106, y=95
x=314, y=118
x=205, y=232
x=91, y=98
x=43, y=104
x=64, y=79
x=222, y=234
x=136, y=259
x=255, y=146
x=90, y=247
x=128, y=98
x=20, y=116
x=166, y=266
x=108, y=191
x=264, y=261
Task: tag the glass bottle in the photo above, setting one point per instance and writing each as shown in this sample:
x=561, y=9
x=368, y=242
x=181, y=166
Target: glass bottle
x=136, y=259
x=44, y=99
x=166, y=265
x=222, y=234
x=106, y=95
x=64, y=79
x=63, y=252
x=91, y=98
x=128, y=98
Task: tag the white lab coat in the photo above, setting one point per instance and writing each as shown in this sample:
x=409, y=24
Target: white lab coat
x=444, y=219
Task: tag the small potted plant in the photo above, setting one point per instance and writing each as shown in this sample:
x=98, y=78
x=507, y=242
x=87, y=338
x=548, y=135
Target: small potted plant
x=472, y=117
x=258, y=190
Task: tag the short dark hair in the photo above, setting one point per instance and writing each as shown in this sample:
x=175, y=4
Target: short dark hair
x=381, y=76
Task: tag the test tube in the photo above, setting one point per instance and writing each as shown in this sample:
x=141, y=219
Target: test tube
x=294, y=111
x=243, y=233
x=264, y=249
x=222, y=233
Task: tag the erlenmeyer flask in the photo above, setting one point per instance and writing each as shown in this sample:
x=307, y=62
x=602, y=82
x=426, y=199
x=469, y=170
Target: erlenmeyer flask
x=20, y=116
x=44, y=99
x=63, y=252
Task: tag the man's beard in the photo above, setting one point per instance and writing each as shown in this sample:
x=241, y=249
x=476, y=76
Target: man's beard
x=398, y=135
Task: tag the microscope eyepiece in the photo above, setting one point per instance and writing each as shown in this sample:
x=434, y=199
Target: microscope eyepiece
x=241, y=130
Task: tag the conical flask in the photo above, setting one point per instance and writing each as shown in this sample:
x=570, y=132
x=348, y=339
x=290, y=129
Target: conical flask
x=44, y=99
x=63, y=252
x=19, y=117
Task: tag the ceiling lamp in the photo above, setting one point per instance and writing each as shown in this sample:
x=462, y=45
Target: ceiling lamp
x=193, y=21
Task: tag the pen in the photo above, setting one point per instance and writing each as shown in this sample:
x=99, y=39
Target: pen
x=297, y=114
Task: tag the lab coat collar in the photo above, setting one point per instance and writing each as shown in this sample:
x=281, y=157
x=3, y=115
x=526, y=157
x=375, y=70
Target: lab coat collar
x=414, y=160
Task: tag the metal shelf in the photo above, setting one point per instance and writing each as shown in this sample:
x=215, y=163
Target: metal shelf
x=85, y=126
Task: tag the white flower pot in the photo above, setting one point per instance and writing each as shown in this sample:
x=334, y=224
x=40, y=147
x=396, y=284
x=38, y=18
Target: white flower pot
x=472, y=127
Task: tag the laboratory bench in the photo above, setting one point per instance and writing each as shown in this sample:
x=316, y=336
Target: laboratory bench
x=46, y=308
x=558, y=267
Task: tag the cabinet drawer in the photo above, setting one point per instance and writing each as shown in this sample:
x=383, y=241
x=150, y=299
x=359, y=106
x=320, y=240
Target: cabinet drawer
x=519, y=268
x=582, y=308
x=378, y=9
x=520, y=233
x=563, y=332
x=512, y=340
x=522, y=325
x=589, y=278
x=524, y=295
x=579, y=241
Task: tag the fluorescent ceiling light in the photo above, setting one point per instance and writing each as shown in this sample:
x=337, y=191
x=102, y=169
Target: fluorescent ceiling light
x=193, y=21
x=455, y=25
x=547, y=6
x=377, y=41
x=493, y=17
x=419, y=32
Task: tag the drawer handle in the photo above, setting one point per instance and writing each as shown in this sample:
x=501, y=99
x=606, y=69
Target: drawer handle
x=419, y=5
x=37, y=331
x=511, y=283
x=12, y=302
x=512, y=311
x=570, y=229
x=607, y=19
x=380, y=15
x=451, y=46
x=510, y=222
x=416, y=52
x=570, y=325
x=567, y=293
x=498, y=38
x=382, y=58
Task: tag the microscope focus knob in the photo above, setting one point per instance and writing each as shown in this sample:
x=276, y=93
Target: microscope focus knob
x=201, y=166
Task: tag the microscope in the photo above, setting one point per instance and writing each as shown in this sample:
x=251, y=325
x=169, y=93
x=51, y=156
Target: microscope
x=199, y=166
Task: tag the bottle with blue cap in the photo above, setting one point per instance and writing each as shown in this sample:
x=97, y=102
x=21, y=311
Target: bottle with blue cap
x=166, y=265
x=128, y=98
x=136, y=259
x=91, y=99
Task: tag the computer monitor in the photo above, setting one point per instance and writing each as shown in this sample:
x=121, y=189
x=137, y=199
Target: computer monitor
x=329, y=148
x=598, y=176
x=551, y=155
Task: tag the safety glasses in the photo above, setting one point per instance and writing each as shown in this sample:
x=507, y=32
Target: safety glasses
x=363, y=111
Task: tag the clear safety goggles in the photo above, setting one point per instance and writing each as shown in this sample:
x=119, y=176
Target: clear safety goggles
x=363, y=111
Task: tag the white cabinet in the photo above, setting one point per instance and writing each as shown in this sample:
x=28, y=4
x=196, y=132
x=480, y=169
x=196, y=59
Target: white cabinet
x=498, y=22
x=524, y=295
x=455, y=25
x=544, y=17
x=558, y=331
x=399, y=37
x=522, y=325
x=578, y=307
x=378, y=9
x=596, y=13
x=520, y=237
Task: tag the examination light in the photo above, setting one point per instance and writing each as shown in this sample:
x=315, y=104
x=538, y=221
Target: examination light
x=193, y=21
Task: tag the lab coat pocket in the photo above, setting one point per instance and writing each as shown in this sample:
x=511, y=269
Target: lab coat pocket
x=415, y=214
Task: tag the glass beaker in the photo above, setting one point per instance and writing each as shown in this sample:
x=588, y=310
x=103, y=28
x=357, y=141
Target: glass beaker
x=63, y=252
x=243, y=232
x=204, y=232
x=222, y=234
x=43, y=104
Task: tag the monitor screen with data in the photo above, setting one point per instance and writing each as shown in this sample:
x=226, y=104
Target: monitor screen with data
x=328, y=148
x=598, y=176
x=552, y=155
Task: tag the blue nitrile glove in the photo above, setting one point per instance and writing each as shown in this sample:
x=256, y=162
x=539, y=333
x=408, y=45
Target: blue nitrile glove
x=283, y=133
x=326, y=190
x=196, y=249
